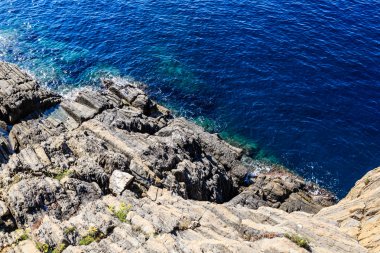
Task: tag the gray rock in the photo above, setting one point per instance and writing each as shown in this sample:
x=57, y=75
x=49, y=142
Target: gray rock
x=111, y=133
x=281, y=189
x=119, y=181
x=3, y=209
x=113, y=168
x=20, y=95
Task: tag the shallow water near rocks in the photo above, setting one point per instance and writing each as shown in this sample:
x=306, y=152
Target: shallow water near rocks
x=297, y=80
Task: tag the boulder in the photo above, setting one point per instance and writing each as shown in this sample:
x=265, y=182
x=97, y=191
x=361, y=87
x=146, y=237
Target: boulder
x=119, y=181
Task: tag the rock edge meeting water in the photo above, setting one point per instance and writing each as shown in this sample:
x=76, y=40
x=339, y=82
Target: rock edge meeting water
x=297, y=82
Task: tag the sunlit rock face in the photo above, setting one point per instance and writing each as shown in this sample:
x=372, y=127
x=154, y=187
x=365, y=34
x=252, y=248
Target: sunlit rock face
x=111, y=171
x=358, y=213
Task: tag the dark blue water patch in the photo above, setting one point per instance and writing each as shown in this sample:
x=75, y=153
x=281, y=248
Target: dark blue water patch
x=298, y=80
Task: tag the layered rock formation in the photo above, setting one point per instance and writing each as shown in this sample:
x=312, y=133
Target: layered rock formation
x=358, y=214
x=110, y=170
x=20, y=95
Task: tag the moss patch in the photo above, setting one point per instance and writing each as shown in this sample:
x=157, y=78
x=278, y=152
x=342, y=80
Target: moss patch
x=63, y=174
x=46, y=248
x=86, y=240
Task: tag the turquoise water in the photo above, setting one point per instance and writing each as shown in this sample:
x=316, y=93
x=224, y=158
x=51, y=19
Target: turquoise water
x=297, y=82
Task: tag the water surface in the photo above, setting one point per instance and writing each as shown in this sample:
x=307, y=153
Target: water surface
x=297, y=80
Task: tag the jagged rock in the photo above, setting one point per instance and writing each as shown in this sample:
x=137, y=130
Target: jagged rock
x=137, y=136
x=119, y=181
x=281, y=189
x=20, y=95
x=58, y=172
x=130, y=93
x=171, y=224
x=29, y=199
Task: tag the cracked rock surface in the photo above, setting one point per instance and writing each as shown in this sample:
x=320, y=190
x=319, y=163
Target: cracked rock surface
x=20, y=95
x=110, y=170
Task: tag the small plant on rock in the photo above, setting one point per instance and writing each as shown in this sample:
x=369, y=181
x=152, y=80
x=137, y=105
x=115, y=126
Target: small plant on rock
x=43, y=247
x=86, y=240
x=111, y=208
x=299, y=240
x=60, y=248
x=46, y=248
x=122, y=212
x=23, y=235
x=93, y=235
x=63, y=174
x=367, y=181
x=69, y=230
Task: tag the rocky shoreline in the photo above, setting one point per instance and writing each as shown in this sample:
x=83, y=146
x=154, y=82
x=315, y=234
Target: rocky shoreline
x=110, y=170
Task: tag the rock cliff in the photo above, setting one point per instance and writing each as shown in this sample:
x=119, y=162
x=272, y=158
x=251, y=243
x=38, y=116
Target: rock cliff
x=110, y=170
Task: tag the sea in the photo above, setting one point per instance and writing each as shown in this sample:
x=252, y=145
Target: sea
x=295, y=82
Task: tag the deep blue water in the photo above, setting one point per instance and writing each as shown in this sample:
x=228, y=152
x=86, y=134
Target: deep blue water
x=298, y=80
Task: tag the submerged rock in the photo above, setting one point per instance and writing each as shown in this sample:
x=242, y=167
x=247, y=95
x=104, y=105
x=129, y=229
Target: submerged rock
x=112, y=171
